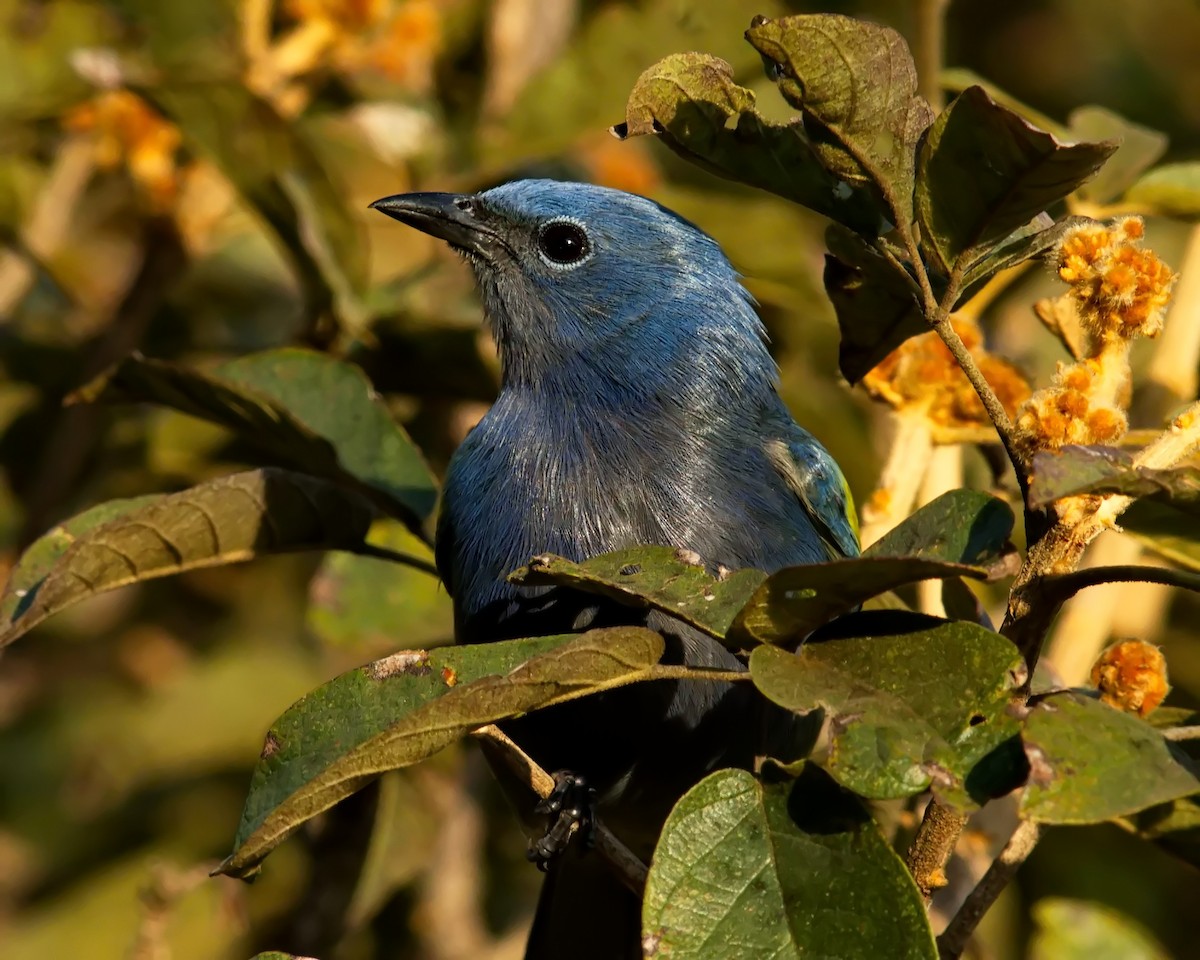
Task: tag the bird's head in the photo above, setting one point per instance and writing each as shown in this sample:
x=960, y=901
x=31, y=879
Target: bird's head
x=576, y=277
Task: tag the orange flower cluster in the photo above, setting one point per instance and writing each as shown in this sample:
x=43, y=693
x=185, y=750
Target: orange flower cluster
x=1073, y=408
x=127, y=131
x=921, y=372
x=1119, y=291
x=349, y=15
x=1132, y=676
x=1120, y=288
x=398, y=41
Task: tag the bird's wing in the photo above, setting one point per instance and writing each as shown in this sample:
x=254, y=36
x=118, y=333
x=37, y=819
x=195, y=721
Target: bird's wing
x=817, y=480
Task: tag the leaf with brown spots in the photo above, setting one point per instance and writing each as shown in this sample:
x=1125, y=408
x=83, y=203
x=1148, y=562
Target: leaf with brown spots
x=228, y=520
x=1090, y=763
x=897, y=729
x=406, y=707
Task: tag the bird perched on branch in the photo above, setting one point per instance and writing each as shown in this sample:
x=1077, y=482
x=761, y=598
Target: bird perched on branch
x=638, y=405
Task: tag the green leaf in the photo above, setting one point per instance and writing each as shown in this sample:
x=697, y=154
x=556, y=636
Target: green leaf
x=983, y=171
x=1140, y=147
x=1082, y=930
x=406, y=707
x=914, y=702
x=876, y=304
x=368, y=603
x=691, y=102
x=796, y=600
x=1035, y=238
x=1172, y=189
x=315, y=413
x=745, y=869
x=228, y=520
x=276, y=171
x=41, y=556
x=1090, y=763
x=855, y=84
x=1073, y=471
x=657, y=577
x=960, y=526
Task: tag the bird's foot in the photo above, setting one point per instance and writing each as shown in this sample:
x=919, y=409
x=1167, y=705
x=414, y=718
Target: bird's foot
x=571, y=808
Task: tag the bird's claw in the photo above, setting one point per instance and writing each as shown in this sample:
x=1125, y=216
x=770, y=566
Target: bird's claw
x=571, y=808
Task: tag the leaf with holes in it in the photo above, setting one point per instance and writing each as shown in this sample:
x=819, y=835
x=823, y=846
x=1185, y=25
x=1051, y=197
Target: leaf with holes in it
x=898, y=728
x=228, y=520
x=316, y=413
x=406, y=707
x=747, y=869
x=856, y=86
x=691, y=102
x=658, y=577
x=1089, y=762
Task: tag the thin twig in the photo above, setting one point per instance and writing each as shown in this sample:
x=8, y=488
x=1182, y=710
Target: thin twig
x=987, y=396
x=932, y=846
x=1063, y=585
x=1020, y=845
x=1182, y=733
x=938, y=316
x=626, y=865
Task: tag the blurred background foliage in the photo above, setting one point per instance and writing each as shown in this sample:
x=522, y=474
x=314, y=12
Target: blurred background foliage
x=190, y=180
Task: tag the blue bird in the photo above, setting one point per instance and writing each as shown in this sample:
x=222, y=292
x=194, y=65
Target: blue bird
x=638, y=405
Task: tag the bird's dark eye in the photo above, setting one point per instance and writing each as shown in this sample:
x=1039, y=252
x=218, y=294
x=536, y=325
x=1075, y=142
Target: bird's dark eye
x=563, y=243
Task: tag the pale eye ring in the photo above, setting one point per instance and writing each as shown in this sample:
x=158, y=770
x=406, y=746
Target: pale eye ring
x=563, y=243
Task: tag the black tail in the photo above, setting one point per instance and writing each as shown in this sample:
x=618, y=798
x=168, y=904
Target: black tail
x=585, y=913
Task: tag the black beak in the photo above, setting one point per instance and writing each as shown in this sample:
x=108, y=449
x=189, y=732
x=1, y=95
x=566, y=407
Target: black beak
x=453, y=217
